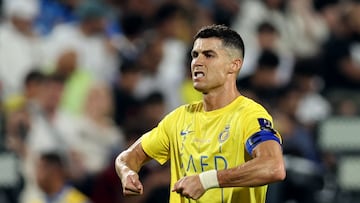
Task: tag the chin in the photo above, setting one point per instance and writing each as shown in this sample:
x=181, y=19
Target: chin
x=200, y=89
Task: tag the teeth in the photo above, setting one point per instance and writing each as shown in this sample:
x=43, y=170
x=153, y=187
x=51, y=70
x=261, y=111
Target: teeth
x=199, y=74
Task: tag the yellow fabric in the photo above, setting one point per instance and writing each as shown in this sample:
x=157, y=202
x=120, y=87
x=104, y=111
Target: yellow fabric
x=74, y=196
x=14, y=103
x=75, y=91
x=188, y=93
x=68, y=195
x=195, y=141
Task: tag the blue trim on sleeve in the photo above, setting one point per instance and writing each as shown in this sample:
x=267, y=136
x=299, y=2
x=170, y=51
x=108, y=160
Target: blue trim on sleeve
x=258, y=138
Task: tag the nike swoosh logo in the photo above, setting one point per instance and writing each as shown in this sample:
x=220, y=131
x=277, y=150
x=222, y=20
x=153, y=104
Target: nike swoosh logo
x=185, y=132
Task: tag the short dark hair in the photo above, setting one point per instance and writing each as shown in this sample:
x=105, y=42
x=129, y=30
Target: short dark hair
x=54, y=158
x=34, y=76
x=229, y=37
x=268, y=59
x=266, y=27
x=165, y=12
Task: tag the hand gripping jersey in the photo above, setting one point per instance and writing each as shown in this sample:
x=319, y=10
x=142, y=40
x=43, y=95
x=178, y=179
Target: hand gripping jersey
x=196, y=141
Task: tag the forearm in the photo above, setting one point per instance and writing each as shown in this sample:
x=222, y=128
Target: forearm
x=259, y=171
x=124, y=164
x=127, y=166
x=267, y=166
x=131, y=159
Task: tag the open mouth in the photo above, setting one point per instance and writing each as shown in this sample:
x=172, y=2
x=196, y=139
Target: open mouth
x=198, y=74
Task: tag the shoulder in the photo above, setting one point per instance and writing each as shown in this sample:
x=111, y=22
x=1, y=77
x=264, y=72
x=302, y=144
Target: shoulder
x=181, y=112
x=250, y=106
x=250, y=103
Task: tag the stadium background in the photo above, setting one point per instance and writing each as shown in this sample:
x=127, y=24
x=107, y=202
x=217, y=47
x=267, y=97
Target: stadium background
x=87, y=77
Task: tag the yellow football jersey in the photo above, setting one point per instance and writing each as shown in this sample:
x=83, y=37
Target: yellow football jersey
x=196, y=141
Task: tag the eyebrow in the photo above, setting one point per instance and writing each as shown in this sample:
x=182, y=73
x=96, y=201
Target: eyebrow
x=204, y=52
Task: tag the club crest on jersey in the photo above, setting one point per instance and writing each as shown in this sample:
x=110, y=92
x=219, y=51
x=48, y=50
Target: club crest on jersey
x=224, y=135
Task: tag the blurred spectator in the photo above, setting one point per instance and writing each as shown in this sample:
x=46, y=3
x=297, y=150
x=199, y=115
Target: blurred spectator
x=145, y=7
x=341, y=50
x=126, y=105
x=95, y=52
x=13, y=128
x=224, y=11
x=165, y=55
x=149, y=61
x=305, y=169
x=303, y=163
x=153, y=110
x=18, y=125
x=155, y=176
x=107, y=185
x=94, y=139
x=20, y=47
x=297, y=140
x=131, y=43
x=51, y=176
x=307, y=28
x=19, y=112
x=53, y=13
x=312, y=107
x=267, y=38
x=44, y=133
x=77, y=81
x=298, y=34
x=263, y=85
x=253, y=12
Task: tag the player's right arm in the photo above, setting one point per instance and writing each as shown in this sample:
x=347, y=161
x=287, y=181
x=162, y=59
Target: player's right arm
x=127, y=166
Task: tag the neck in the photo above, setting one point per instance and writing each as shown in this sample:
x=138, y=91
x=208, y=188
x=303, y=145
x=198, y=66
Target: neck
x=55, y=188
x=219, y=99
x=85, y=29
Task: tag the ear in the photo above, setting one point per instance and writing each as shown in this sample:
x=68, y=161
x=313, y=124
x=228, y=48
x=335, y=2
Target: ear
x=235, y=65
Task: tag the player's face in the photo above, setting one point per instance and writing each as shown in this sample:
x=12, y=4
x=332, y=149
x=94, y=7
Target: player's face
x=210, y=64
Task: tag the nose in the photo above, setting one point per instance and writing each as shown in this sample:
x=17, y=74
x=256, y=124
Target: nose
x=198, y=61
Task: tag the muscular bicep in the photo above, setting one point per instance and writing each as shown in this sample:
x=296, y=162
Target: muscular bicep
x=265, y=167
x=269, y=148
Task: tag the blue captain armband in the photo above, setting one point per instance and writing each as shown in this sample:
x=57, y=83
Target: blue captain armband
x=259, y=137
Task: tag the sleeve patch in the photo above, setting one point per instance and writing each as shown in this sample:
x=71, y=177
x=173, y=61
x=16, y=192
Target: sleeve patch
x=266, y=125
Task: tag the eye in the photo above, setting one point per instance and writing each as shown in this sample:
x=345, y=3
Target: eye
x=194, y=54
x=208, y=55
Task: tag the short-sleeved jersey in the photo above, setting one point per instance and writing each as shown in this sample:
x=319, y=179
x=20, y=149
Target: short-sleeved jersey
x=196, y=141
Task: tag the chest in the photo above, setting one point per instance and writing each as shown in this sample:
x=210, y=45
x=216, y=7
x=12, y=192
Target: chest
x=208, y=143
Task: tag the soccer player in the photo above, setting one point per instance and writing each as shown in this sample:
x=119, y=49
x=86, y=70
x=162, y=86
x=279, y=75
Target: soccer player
x=221, y=149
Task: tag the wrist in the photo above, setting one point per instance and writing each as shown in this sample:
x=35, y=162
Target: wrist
x=209, y=179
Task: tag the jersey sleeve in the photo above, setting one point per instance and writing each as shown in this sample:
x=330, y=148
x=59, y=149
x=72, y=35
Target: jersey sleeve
x=156, y=143
x=259, y=128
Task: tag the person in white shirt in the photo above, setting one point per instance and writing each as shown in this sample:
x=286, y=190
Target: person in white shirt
x=20, y=49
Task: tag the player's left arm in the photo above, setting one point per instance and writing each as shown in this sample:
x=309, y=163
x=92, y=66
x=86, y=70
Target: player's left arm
x=267, y=166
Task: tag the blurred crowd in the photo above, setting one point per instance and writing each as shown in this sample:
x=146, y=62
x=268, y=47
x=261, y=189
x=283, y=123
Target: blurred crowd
x=81, y=80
